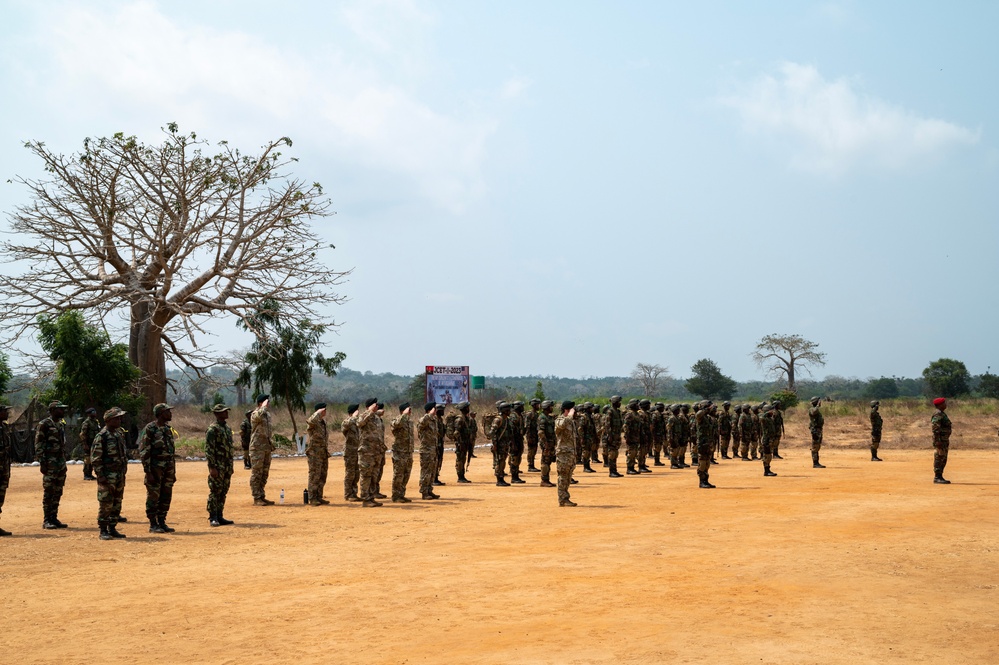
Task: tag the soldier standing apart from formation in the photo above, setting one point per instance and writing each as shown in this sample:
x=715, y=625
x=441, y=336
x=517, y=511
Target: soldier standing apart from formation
x=725, y=428
x=941, y=426
x=767, y=428
x=531, y=433
x=632, y=435
x=778, y=427
x=876, y=424
x=245, y=429
x=6, y=447
x=402, y=454
x=50, y=452
x=815, y=425
x=369, y=450
x=218, y=454
x=261, y=447
x=156, y=450
x=109, y=461
x=516, y=442
x=441, y=432
x=88, y=430
x=501, y=433
x=318, y=454
x=351, y=441
x=426, y=431
x=565, y=451
x=461, y=433
x=546, y=441
x=704, y=444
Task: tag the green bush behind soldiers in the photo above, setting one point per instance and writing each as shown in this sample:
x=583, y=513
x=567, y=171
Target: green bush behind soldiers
x=815, y=425
x=88, y=430
x=6, y=446
x=876, y=423
x=109, y=461
x=50, y=452
x=218, y=452
x=318, y=454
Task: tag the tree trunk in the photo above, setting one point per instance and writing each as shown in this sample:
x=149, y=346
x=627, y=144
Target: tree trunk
x=790, y=378
x=294, y=425
x=145, y=350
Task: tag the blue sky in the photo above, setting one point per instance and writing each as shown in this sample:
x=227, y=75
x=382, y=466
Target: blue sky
x=573, y=187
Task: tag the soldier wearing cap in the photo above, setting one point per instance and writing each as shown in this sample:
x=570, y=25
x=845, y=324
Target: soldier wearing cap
x=372, y=432
x=767, y=429
x=501, y=432
x=157, y=450
x=565, y=452
x=317, y=453
x=88, y=430
x=426, y=431
x=6, y=446
x=261, y=448
x=876, y=423
x=218, y=453
x=351, y=441
x=546, y=441
x=109, y=461
x=402, y=453
x=50, y=445
x=459, y=430
x=516, y=442
x=941, y=426
x=815, y=424
x=531, y=433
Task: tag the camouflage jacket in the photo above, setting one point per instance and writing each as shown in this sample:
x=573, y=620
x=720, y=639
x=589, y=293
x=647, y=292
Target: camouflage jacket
x=315, y=428
x=531, y=426
x=672, y=424
x=565, y=436
x=940, y=424
x=517, y=423
x=351, y=435
x=218, y=447
x=459, y=430
x=108, y=456
x=767, y=427
x=88, y=430
x=261, y=436
x=582, y=429
x=658, y=426
x=682, y=430
x=402, y=434
x=754, y=418
x=372, y=431
x=156, y=446
x=50, y=438
x=778, y=424
x=876, y=421
x=546, y=431
x=725, y=423
x=501, y=430
x=704, y=429
x=746, y=427
x=245, y=429
x=646, y=426
x=616, y=424
x=815, y=419
x=632, y=428
x=426, y=430
x=606, y=438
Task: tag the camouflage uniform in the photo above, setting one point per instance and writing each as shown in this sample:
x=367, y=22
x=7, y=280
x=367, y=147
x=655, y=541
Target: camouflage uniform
x=766, y=441
x=459, y=430
x=318, y=454
x=658, y=434
x=218, y=453
x=50, y=439
x=565, y=456
x=632, y=437
x=501, y=431
x=672, y=434
x=473, y=435
x=755, y=440
x=877, y=422
x=426, y=430
x=692, y=435
x=778, y=431
x=584, y=444
x=109, y=461
x=815, y=424
x=736, y=431
x=531, y=434
x=261, y=447
x=441, y=432
x=747, y=431
x=705, y=437
x=546, y=440
x=681, y=434
x=724, y=430
x=88, y=430
x=402, y=455
x=645, y=447
x=516, y=445
x=351, y=442
x=372, y=432
x=608, y=441
x=245, y=430
x=941, y=426
x=156, y=450
x=612, y=430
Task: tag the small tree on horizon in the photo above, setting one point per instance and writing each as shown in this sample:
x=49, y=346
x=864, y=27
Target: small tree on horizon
x=786, y=355
x=649, y=375
x=947, y=377
x=708, y=381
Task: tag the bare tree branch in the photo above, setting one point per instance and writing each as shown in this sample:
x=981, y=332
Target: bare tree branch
x=782, y=356
x=650, y=376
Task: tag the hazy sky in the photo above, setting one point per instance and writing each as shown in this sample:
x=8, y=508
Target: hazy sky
x=572, y=187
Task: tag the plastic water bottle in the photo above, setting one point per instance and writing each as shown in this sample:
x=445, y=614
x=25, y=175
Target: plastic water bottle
x=282, y=495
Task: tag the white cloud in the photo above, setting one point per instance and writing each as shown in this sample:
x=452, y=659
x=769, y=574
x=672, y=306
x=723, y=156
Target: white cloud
x=355, y=102
x=515, y=87
x=833, y=127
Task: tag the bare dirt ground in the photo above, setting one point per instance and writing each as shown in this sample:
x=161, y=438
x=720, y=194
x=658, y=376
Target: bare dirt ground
x=858, y=563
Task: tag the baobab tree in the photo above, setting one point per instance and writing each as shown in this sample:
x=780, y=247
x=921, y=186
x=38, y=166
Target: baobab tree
x=649, y=375
x=785, y=355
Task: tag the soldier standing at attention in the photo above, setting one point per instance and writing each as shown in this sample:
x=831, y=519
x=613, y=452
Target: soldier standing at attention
x=440, y=444
x=704, y=443
x=683, y=432
x=745, y=431
x=725, y=428
x=426, y=430
x=531, y=433
x=245, y=429
x=616, y=425
x=110, y=462
x=88, y=430
x=473, y=436
x=583, y=441
x=501, y=433
x=692, y=433
x=351, y=441
x=778, y=427
x=766, y=439
x=941, y=426
x=876, y=424
x=815, y=424
x=546, y=440
x=736, y=432
x=261, y=447
x=632, y=423
x=369, y=450
x=565, y=451
x=516, y=442
x=218, y=454
x=658, y=433
x=318, y=454
x=402, y=454
x=645, y=448
x=461, y=433
x=754, y=442
x=609, y=443
x=6, y=445
x=156, y=450
x=50, y=444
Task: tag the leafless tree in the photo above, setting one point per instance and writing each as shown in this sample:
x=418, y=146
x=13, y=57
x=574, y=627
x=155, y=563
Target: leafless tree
x=163, y=236
x=650, y=376
x=783, y=356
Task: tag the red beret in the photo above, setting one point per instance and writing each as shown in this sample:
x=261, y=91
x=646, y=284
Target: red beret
x=939, y=400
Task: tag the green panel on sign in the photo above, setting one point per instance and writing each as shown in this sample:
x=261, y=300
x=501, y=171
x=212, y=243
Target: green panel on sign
x=478, y=382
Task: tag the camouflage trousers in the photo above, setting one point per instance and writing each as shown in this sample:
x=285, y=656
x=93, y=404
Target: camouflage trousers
x=766, y=452
x=4, y=481
x=579, y=449
x=775, y=446
x=632, y=455
x=657, y=446
x=428, y=464
x=643, y=452
x=565, y=465
x=532, y=452
x=736, y=444
x=940, y=452
x=501, y=452
x=402, y=469
x=703, y=461
x=676, y=453
x=440, y=460
x=351, y=474
x=159, y=482
x=547, y=457
x=367, y=464
x=516, y=455
x=816, y=440
x=462, y=454
x=723, y=442
x=110, y=491
x=53, y=481
x=379, y=470
x=260, y=469
x=594, y=450
x=875, y=440
x=319, y=465
x=88, y=469
x=610, y=455
x=218, y=489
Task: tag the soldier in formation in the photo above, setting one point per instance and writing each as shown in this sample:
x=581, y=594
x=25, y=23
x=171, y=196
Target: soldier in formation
x=585, y=437
x=941, y=427
x=318, y=454
x=218, y=454
x=645, y=447
x=778, y=427
x=402, y=453
x=50, y=453
x=261, y=448
x=459, y=430
x=815, y=424
x=516, y=442
x=547, y=442
x=88, y=430
x=6, y=452
x=725, y=429
x=157, y=452
x=754, y=444
x=704, y=425
x=632, y=430
x=658, y=433
x=372, y=431
x=351, y=443
x=565, y=452
x=426, y=431
x=531, y=433
x=610, y=438
x=501, y=432
x=768, y=428
x=876, y=423
x=245, y=430
x=109, y=461
x=736, y=432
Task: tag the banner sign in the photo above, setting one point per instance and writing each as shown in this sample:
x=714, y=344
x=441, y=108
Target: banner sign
x=447, y=384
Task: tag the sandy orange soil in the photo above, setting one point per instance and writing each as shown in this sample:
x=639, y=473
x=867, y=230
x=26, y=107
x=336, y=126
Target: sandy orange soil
x=858, y=563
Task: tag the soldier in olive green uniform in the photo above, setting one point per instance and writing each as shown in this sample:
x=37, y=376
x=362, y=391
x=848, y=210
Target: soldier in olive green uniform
x=725, y=429
x=516, y=442
x=583, y=442
x=632, y=425
x=565, y=452
x=615, y=424
x=531, y=433
x=609, y=442
x=245, y=430
x=658, y=433
x=156, y=450
x=218, y=453
x=736, y=432
x=754, y=442
x=50, y=445
x=426, y=431
x=351, y=441
x=645, y=448
x=876, y=423
x=501, y=432
x=372, y=431
x=6, y=446
x=261, y=447
x=317, y=453
x=546, y=441
x=746, y=431
x=402, y=454
x=941, y=426
x=88, y=430
x=109, y=461
x=705, y=439
x=815, y=424
x=767, y=428
x=778, y=427
x=459, y=430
